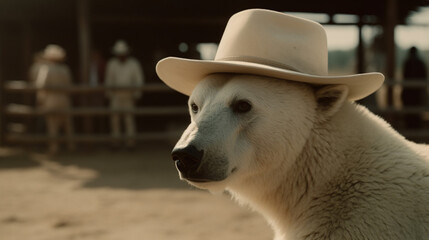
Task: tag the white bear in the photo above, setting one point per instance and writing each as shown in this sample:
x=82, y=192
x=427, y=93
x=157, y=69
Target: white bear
x=315, y=164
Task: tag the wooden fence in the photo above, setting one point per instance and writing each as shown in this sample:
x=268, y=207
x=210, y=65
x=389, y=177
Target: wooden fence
x=11, y=109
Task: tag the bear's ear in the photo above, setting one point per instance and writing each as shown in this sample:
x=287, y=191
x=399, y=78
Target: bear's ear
x=329, y=99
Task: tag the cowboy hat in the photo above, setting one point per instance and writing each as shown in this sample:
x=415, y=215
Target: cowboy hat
x=120, y=48
x=54, y=53
x=268, y=43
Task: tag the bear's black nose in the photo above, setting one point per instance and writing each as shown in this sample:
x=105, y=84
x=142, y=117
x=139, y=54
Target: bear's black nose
x=187, y=159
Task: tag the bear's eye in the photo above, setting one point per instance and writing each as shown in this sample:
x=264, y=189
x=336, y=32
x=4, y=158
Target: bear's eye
x=241, y=106
x=194, y=108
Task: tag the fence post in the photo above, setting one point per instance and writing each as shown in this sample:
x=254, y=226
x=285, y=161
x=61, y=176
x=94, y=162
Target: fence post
x=84, y=43
x=84, y=39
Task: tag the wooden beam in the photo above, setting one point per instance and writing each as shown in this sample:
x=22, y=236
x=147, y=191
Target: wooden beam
x=27, y=44
x=84, y=39
x=389, y=31
x=181, y=21
x=27, y=111
x=2, y=119
x=12, y=86
x=360, y=49
x=86, y=138
x=2, y=107
x=389, y=36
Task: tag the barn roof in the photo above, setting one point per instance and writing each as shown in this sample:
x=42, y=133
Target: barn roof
x=219, y=10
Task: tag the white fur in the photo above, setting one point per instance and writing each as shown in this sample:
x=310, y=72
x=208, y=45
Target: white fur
x=314, y=164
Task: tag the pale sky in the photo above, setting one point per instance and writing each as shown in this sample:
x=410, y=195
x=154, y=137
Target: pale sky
x=346, y=37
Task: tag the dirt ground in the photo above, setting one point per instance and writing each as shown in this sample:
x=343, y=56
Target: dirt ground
x=113, y=195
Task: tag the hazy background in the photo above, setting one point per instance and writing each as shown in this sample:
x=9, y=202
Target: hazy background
x=104, y=190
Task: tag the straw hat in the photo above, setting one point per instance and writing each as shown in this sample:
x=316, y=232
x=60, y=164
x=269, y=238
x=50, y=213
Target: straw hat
x=272, y=44
x=54, y=52
x=120, y=48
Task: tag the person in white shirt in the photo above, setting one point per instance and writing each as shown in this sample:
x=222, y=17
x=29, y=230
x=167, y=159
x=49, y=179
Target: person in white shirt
x=123, y=71
x=52, y=72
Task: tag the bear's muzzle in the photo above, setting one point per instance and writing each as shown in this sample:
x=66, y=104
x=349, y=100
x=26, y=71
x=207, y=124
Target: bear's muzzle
x=189, y=161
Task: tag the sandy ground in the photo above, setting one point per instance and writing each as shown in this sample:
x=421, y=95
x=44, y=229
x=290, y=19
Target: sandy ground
x=113, y=195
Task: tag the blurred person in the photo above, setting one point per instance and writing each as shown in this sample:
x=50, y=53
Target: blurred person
x=123, y=71
x=53, y=72
x=414, y=70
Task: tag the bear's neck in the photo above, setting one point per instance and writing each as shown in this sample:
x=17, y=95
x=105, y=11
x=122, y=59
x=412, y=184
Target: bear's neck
x=328, y=149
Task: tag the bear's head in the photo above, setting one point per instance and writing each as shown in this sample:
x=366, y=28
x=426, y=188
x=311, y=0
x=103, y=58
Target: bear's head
x=243, y=126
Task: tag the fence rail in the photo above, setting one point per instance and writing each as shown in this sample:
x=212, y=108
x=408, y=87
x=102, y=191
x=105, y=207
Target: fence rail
x=14, y=110
x=87, y=138
x=23, y=87
x=28, y=112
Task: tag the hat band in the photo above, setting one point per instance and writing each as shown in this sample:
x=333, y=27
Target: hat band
x=259, y=60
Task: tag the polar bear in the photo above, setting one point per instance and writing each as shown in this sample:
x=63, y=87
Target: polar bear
x=271, y=127
x=316, y=165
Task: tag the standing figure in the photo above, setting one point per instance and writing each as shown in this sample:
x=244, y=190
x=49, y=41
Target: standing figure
x=414, y=70
x=52, y=72
x=125, y=77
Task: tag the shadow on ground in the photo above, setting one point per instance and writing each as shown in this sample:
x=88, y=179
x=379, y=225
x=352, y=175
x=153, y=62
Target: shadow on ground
x=148, y=166
x=11, y=158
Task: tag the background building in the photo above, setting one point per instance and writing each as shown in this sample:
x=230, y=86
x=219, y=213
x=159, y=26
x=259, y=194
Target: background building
x=155, y=29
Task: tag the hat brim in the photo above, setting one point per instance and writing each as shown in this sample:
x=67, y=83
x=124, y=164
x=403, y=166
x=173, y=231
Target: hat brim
x=184, y=74
x=53, y=58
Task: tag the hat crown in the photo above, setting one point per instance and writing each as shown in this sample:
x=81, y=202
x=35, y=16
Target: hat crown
x=272, y=44
x=54, y=52
x=121, y=47
x=275, y=39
